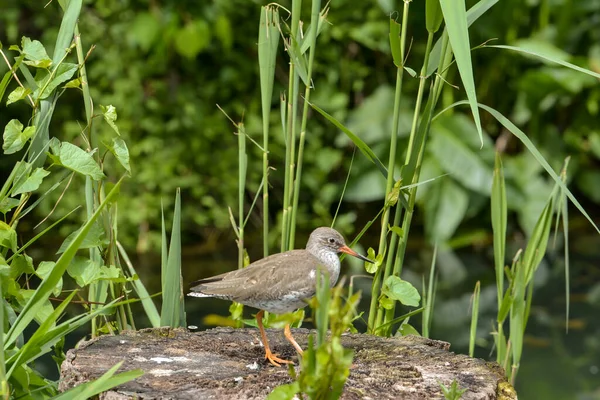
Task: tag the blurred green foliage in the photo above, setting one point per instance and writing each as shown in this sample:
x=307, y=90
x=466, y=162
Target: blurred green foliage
x=165, y=66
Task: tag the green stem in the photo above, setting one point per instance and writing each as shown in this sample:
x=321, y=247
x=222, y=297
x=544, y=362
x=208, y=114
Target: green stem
x=314, y=24
x=390, y=179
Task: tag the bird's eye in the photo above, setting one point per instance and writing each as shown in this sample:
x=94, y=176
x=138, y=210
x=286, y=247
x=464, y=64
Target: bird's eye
x=331, y=240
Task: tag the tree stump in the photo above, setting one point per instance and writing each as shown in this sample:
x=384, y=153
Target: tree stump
x=226, y=363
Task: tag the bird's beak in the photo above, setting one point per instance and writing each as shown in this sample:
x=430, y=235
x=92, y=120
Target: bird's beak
x=348, y=250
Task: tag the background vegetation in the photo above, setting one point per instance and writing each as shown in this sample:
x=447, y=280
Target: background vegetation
x=165, y=66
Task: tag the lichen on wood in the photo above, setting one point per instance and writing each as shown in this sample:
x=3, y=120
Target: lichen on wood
x=226, y=363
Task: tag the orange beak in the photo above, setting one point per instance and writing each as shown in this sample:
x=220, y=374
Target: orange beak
x=348, y=250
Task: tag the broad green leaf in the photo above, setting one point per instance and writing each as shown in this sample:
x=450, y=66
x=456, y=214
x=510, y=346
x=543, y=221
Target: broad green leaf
x=372, y=268
x=73, y=83
x=407, y=329
x=110, y=116
x=459, y=160
x=32, y=183
x=96, y=237
x=43, y=310
x=35, y=53
x=362, y=146
x=400, y=290
x=21, y=264
x=79, y=160
x=285, y=392
x=84, y=271
x=121, y=152
x=8, y=236
x=7, y=204
x=455, y=16
x=44, y=269
x=18, y=94
x=15, y=137
x=446, y=207
x=47, y=82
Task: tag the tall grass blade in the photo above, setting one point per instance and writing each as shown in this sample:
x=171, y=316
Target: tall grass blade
x=499, y=208
x=49, y=282
x=4, y=389
x=512, y=128
x=362, y=146
x=106, y=382
x=430, y=301
x=547, y=57
x=268, y=40
x=173, y=311
x=455, y=16
x=474, y=317
x=472, y=15
x=140, y=289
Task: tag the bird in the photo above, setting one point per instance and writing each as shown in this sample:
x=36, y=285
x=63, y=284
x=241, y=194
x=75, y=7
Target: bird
x=280, y=283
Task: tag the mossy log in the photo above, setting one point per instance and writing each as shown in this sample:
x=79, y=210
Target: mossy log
x=228, y=364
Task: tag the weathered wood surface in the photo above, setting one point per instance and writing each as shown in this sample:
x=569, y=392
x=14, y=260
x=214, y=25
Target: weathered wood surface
x=228, y=364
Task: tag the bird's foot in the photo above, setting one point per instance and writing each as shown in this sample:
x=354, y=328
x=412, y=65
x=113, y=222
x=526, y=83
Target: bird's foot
x=276, y=361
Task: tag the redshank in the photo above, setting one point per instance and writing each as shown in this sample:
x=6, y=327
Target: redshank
x=280, y=283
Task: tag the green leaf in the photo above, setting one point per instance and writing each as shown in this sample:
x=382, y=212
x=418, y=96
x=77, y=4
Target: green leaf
x=32, y=183
x=110, y=116
x=362, y=146
x=21, y=264
x=173, y=312
x=402, y=291
x=472, y=15
x=499, y=218
x=44, y=269
x=285, y=392
x=18, y=94
x=79, y=160
x=42, y=312
x=433, y=15
x=407, y=329
x=395, y=43
x=84, y=271
x=49, y=283
x=74, y=83
x=47, y=82
x=35, y=53
x=457, y=26
x=96, y=237
x=8, y=236
x=7, y=204
x=121, y=152
x=192, y=38
x=372, y=268
x=15, y=137
x=446, y=206
x=548, y=55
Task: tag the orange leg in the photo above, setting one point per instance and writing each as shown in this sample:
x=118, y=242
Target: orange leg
x=288, y=335
x=273, y=359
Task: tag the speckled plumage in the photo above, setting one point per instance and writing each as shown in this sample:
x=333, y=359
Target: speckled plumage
x=282, y=282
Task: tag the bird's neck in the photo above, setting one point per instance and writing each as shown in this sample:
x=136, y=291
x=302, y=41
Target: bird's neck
x=331, y=262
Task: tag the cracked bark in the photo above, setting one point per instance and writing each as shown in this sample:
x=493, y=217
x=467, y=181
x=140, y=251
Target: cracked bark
x=228, y=363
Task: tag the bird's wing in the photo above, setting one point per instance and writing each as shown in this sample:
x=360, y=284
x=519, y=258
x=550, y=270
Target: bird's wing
x=271, y=275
